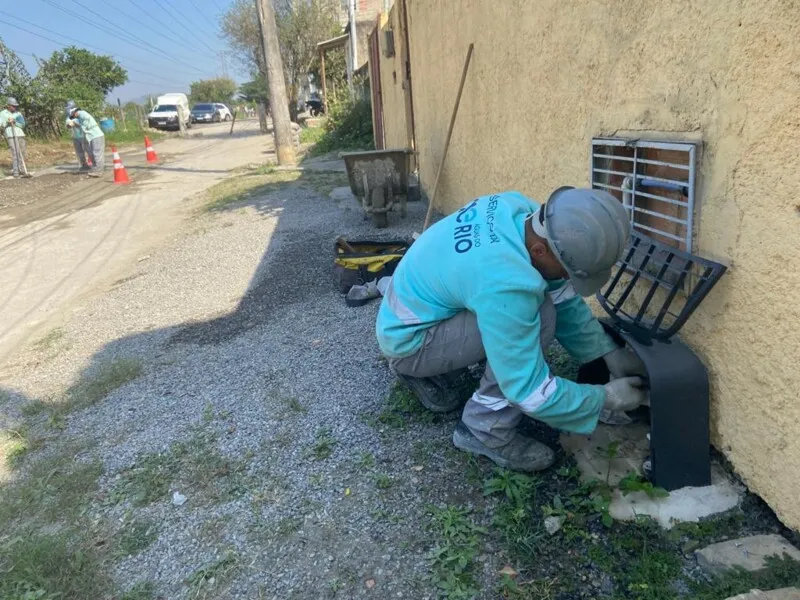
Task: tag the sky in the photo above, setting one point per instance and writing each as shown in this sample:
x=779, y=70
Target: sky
x=164, y=44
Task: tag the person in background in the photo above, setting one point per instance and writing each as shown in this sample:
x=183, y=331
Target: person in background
x=78, y=141
x=93, y=134
x=13, y=123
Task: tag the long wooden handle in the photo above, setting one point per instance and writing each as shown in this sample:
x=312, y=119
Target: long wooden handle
x=449, y=135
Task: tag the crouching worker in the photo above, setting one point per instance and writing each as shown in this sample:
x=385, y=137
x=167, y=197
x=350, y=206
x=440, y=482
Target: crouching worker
x=94, y=136
x=499, y=280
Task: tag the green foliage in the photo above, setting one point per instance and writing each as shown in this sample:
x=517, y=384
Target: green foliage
x=93, y=387
x=220, y=90
x=403, y=408
x=144, y=590
x=323, y=445
x=458, y=543
x=633, y=482
x=780, y=572
x=204, y=582
x=311, y=135
x=72, y=73
x=348, y=126
x=255, y=91
x=136, y=536
x=516, y=487
x=49, y=567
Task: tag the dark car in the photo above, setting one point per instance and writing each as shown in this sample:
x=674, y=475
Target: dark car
x=315, y=107
x=205, y=113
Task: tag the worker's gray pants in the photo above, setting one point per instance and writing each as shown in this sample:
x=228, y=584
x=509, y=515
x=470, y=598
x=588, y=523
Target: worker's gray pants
x=455, y=344
x=97, y=148
x=81, y=148
x=17, y=153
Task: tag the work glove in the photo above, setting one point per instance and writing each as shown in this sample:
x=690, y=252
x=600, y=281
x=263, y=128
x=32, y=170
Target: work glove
x=625, y=393
x=622, y=362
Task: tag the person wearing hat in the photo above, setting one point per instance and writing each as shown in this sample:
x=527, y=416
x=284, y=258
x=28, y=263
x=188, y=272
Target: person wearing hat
x=79, y=142
x=499, y=280
x=13, y=123
x=92, y=133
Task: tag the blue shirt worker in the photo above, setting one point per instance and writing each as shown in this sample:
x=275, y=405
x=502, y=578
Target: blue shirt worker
x=13, y=123
x=499, y=280
x=93, y=134
x=79, y=143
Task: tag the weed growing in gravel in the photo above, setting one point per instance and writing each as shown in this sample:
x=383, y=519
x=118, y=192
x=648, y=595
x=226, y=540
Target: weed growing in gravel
x=144, y=590
x=288, y=525
x=16, y=446
x=204, y=584
x=90, y=389
x=516, y=487
x=383, y=481
x=49, y=340
x=135, y=536
x=541, y=589
x=402, y=408
x=323, y=445
x=294, y=405
x=366, y=460
x=194, y=465
x=458, y=543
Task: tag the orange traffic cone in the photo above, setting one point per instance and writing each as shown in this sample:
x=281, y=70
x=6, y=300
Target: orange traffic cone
x=120, y=174
x=151, y=154
x=89, y=162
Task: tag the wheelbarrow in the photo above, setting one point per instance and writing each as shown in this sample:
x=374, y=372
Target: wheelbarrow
x=379, y=178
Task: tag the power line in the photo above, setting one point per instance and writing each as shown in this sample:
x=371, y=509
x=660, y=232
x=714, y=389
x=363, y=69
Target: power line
x=181, y=42
x=129, y=34
x=146, y=46
x=70, y=38
x=180, y=22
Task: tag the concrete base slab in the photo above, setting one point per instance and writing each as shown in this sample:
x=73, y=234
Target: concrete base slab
x=781, y=594
x=595, y=461
x=748, y=553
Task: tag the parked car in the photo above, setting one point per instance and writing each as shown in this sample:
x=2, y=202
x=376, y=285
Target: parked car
x=167, y=111
x=224, y=111
x=206, y=113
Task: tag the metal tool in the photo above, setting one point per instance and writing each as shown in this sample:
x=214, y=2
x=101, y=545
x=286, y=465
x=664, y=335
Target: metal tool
x=20, y=158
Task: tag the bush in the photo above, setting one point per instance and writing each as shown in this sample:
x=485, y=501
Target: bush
x=348, y=127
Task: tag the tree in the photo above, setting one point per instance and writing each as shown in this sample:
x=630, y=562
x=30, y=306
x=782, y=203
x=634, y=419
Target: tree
x=302, y=24
x=96, y=72
x=221, y=90
x=255, y=91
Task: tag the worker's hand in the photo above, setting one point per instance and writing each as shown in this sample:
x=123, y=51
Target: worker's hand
x=622, y=362
x=11, y=120
x=625, y=393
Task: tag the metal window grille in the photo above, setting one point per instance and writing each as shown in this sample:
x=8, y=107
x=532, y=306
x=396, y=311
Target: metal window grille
x=655, y=181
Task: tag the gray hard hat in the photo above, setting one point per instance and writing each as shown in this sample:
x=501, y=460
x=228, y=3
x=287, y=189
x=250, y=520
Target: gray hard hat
x=12, y=101
x=587, y=230
x=71, y=105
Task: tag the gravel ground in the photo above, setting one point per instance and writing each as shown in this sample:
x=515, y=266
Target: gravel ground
x=245, y=341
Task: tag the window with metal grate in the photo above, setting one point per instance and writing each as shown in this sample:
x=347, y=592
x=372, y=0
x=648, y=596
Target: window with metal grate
x=655, y=181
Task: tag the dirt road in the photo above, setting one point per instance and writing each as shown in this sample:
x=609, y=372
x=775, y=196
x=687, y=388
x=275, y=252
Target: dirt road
x=63, y=236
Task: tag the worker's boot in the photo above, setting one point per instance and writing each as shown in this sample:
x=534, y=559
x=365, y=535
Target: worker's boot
x=521, y=453
x=440, y=393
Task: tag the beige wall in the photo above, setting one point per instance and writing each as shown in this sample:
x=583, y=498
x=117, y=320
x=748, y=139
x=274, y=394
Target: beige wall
x=392, y=82
x=548, y=75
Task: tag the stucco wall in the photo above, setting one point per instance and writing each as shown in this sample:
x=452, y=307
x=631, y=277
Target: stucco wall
x=392, y=78
x=549, y=75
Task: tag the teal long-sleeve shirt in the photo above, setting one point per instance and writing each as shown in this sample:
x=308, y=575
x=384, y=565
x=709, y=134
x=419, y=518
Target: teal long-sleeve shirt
x=476, y=260
x=88, y=125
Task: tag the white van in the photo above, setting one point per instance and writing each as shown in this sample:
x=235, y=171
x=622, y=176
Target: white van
x=167, y=111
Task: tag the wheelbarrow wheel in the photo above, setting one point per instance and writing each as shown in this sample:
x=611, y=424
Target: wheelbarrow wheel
x=379, y=217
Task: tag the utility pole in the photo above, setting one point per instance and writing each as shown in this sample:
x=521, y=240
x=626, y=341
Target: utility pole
x=278, y=101
x=351, y=65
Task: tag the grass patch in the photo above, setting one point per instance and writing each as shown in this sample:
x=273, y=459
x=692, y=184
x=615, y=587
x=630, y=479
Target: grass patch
x=452, y=559
x=253, y=182
x=50, y=567
x=52, y=489
x=293, y=405
x=195, y=467
x=311, y=135
x=17, y=445
x=135, y=536
x=49, y=340
x=133, y=135
x=205, y=583
x=91, y=389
